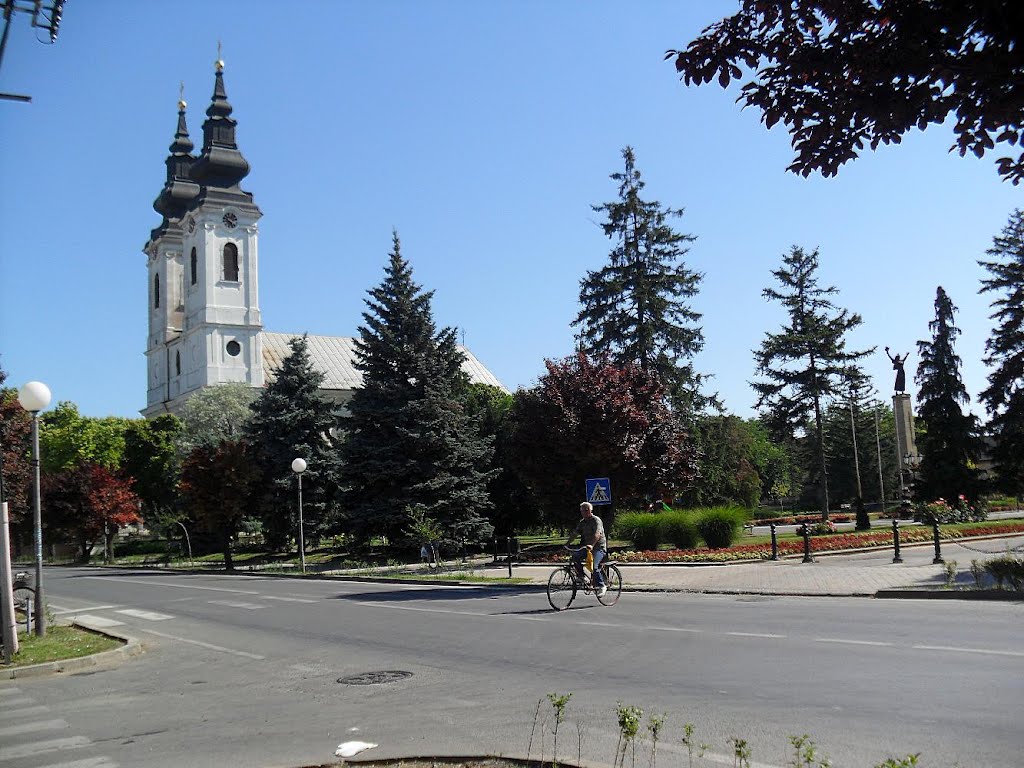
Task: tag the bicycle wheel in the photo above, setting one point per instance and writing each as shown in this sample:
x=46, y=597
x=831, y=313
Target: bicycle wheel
x=561, y=589
x=612, y=580
x=24, y=606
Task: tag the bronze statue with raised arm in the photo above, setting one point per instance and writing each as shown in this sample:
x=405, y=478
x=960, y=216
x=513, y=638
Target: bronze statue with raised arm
x=901, y=376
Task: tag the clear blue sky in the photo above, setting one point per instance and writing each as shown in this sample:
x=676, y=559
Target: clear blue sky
x=483, y=132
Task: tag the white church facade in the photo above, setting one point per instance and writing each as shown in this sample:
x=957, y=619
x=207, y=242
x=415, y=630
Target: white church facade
x=205, y=326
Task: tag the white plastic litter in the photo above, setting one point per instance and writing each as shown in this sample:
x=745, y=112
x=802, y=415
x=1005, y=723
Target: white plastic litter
x=350, y=748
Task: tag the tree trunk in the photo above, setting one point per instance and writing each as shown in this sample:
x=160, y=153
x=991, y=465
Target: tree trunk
x=229, y=564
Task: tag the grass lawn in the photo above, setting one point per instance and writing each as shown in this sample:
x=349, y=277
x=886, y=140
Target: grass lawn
x=61, y=642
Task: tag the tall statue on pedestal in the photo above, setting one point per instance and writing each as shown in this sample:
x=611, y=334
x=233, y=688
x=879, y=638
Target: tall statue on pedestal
x=901, y=375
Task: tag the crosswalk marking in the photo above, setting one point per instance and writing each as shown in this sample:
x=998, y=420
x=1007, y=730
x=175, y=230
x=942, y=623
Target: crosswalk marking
x=9, y=691
x=33, y=727
x=14, y=714
x=235, y=604
x=147, y=615
x=98, y=621
x=61, y=611
x=89, y=762
x=42, y=747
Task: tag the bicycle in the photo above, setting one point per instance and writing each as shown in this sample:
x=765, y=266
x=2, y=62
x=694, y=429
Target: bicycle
x=24, y=600
x=565, y=582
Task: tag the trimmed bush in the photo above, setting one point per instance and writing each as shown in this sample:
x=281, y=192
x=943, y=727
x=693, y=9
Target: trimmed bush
x=642, y=528
x=679, y=528
x=719, y=526
x=1007, y=568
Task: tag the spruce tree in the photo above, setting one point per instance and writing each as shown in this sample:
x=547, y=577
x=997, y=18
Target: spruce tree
x=807, y=363
x=290, y=419
x=1004, y=396
x=948, y=442
x=409, y=444
x=636, y=308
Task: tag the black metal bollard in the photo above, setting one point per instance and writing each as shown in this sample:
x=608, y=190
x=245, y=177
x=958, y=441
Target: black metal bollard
x=896, y=541
x=509, y=542
x=807, y=544
x=775, y=543
x=935, y=537
x=495, y=550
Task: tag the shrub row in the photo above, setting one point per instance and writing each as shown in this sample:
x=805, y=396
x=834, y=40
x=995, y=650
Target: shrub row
x=717, y=527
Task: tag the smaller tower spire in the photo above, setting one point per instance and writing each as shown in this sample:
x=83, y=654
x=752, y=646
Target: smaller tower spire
x=179, y=190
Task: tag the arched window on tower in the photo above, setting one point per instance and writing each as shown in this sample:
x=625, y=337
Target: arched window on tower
x=231, y=262
x=156, y=291
x=194, y=266
x=177, y=362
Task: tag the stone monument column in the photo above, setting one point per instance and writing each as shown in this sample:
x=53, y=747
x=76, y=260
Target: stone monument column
x=905, y=443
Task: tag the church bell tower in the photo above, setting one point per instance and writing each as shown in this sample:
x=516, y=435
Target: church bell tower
x=204, y=317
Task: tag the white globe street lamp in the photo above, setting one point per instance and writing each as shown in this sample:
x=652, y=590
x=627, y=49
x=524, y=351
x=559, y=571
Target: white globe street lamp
x=34, y=397
x=298, y=467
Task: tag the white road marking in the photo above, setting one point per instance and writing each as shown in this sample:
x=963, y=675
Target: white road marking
x=235, y=604
x=966, y=650
x=89, y=762
x=674, y=629
x=14, y=714
x=148, y=615
x=9, y=691
x=212, y=647
x=289, y=599
x=35, y=727
x=151, y=583
x=850, y=642
x=426, y=610
x=754, y=634
x=79, y=610
x=97, y=621
x=42, y=747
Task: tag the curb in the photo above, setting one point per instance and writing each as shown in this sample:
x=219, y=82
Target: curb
x=951, y=594
x=131, y=647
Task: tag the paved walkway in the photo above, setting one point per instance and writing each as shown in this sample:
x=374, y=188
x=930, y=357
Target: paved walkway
x=863, y=573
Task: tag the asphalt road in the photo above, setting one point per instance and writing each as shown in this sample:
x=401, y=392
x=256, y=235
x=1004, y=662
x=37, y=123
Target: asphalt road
x=244, y=671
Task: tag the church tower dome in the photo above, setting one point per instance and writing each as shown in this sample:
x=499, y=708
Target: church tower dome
x=221, y=164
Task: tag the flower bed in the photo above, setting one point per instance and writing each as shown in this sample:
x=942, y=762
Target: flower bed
x=828, y=543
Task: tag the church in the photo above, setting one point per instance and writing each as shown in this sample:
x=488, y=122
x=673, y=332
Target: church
x=205, y=326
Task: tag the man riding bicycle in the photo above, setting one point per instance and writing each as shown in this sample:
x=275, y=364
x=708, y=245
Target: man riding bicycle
x=590, y=529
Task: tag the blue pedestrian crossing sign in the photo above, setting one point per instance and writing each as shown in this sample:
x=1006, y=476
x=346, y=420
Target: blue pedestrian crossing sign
x=599, y=490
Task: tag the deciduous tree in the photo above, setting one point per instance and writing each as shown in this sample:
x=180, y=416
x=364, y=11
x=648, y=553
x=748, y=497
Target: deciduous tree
x=590, y=418
x=89, y=503
x=949, y=439
x=807, y=363
x=1004, y=396
x=67, y=439
x=636, y=308
x=151, y=461
x=215, y=414
x=841, y=75
x=217, y=484
x=16, y=446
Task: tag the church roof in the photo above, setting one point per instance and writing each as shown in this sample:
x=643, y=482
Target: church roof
x=335, y=356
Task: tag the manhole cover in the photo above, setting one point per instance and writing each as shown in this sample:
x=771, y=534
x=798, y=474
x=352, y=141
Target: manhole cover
x=375, y=678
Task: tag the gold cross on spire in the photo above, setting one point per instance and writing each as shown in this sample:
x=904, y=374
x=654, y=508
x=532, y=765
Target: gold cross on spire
x=181, y=95
x=220, y=61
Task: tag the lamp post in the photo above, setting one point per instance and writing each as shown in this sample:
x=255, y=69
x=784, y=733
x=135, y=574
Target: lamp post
x=33, y=397
x=298, y=467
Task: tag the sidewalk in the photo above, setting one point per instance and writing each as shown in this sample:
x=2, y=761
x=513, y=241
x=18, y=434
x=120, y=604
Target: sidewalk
x=860, y=574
